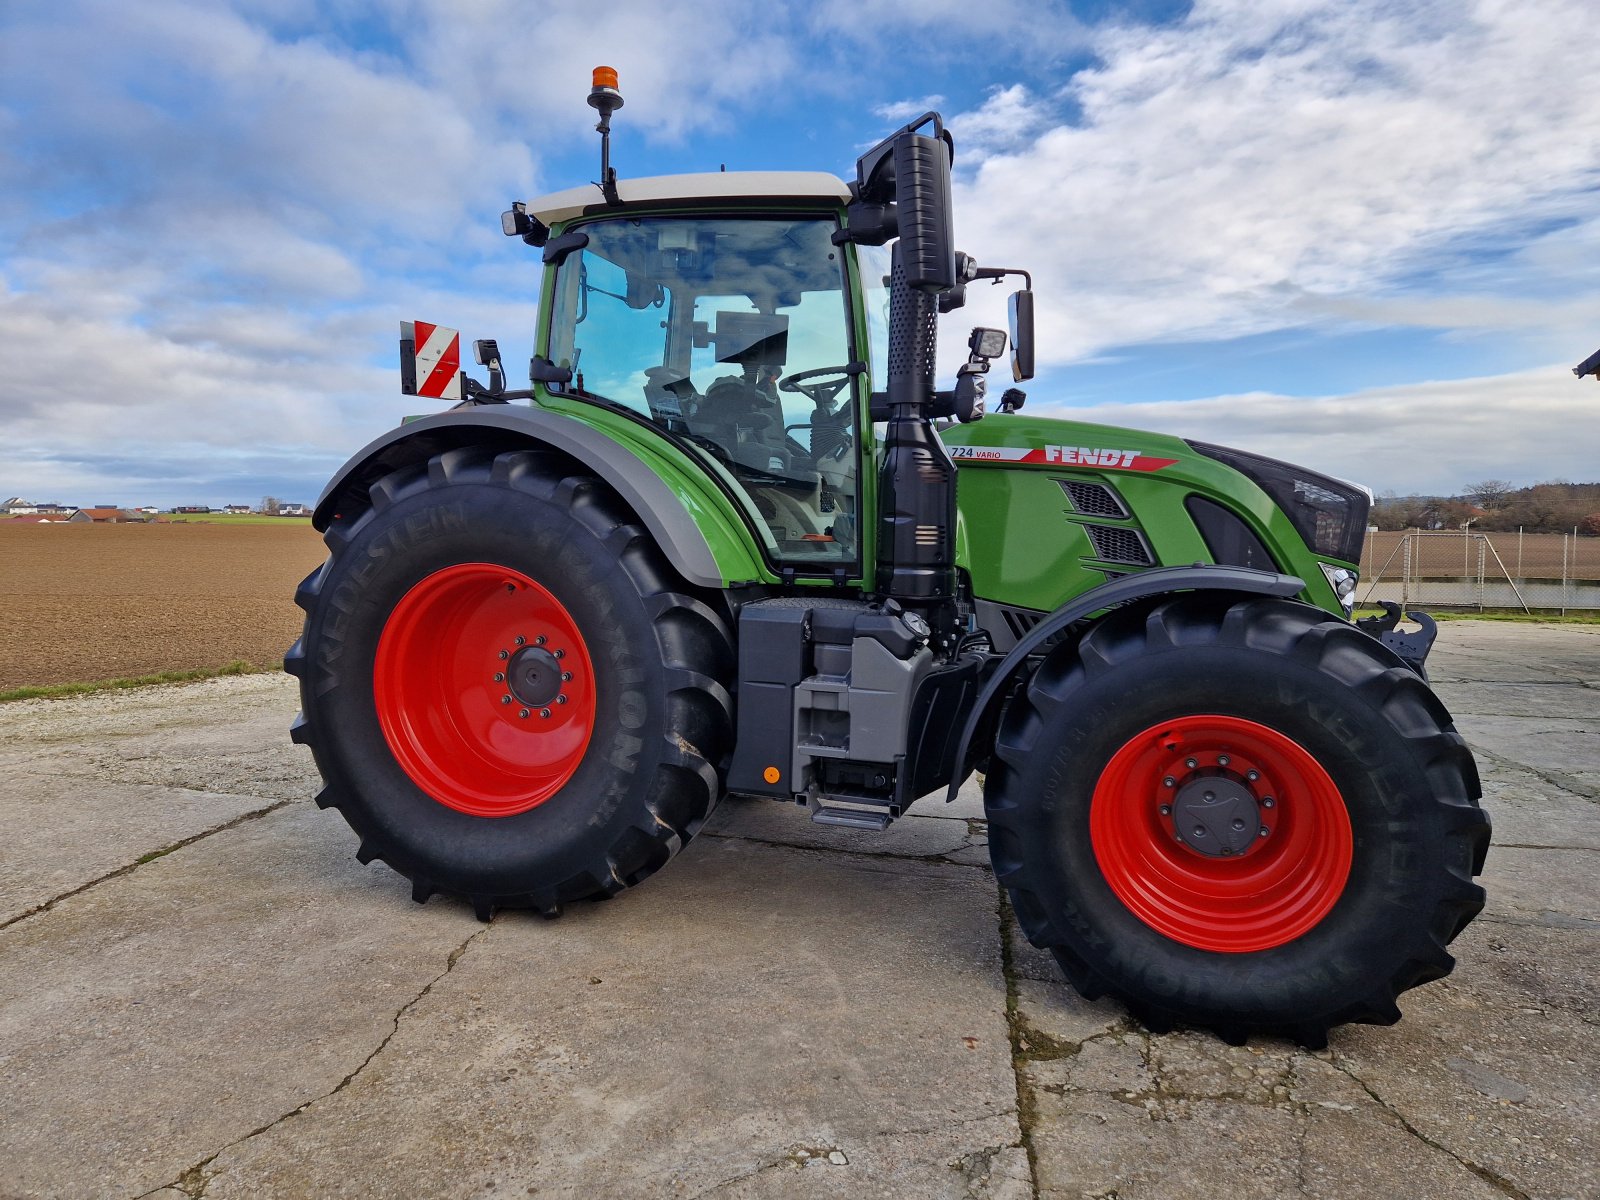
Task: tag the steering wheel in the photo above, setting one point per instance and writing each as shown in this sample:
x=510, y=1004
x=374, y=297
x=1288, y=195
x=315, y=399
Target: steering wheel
x=830, y=381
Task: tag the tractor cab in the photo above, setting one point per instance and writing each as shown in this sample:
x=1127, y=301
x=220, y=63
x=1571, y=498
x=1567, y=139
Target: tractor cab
x=735, y=334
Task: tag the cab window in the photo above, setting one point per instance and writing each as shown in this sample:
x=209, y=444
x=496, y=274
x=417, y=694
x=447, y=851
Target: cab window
x=733, y=335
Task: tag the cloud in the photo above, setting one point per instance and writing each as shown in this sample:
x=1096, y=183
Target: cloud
x=1229, y=174
x=1428, y=438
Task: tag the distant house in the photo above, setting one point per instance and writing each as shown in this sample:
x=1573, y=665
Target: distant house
x=78, y=516
x=148, y=510
x=18, y=507
x=1589, y=366
x=293, y=510
x=104, y=516
x=237, y=509
x=192, y=508
x=53, y=508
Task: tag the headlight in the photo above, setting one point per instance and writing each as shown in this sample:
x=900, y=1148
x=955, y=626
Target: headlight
x=1329, y=514
x=1343, y=582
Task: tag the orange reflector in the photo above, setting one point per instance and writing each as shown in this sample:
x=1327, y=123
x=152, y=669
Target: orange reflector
x=771, y=775
x=605, y=77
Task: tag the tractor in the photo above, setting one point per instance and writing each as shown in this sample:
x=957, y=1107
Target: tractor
x=734, y=539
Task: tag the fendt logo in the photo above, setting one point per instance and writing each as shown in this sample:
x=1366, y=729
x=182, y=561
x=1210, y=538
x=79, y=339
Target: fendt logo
x=1066, y=456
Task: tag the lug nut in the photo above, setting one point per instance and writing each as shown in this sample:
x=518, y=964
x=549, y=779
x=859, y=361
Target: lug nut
x=544, y=712
x=521, y=641
x=523, y=713
x=1223, y=760
x=1191, y=763
x=561, y=699
x=1264, y=831
x=1169, y=781
x=1267, y=802
x=539, y=641
x=506, y=699
x=559, y=653
x=499, y=676
x=505, y=654
x=1252, y=776
x=566, y=677
x=1166, y=810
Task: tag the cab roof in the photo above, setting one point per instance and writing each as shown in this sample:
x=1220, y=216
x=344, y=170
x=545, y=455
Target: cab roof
x=719, y=185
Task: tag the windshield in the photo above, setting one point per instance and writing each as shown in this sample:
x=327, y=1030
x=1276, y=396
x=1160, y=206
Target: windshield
x=732, y=334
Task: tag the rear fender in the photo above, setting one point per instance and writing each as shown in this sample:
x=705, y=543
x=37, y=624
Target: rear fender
x=666, y=507
x=979, y=728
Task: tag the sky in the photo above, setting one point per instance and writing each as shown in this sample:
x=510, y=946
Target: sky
x=1361, y=235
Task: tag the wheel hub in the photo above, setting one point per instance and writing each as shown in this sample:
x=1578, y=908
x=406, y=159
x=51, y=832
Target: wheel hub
x=1216, y=815
x=533, y=676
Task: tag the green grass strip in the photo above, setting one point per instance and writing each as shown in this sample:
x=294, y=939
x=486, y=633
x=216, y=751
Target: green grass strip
x=1515, y=615
x=52, y=691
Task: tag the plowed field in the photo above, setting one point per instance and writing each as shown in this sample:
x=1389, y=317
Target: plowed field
x=80, y=603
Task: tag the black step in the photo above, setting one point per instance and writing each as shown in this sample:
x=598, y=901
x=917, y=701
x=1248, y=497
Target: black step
x=852, y=818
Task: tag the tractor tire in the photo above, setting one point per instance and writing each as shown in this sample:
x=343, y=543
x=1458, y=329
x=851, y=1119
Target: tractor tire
x=509, y=695
x=1238, y=814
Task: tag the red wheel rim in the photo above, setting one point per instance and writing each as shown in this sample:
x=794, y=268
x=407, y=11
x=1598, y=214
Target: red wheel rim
x=1271, y=892
x=484, y=690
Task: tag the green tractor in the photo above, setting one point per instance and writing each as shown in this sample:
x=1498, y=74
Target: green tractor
x=734, y=539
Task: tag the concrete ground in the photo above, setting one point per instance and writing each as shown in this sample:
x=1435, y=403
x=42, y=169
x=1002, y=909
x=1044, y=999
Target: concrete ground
x=202, y=992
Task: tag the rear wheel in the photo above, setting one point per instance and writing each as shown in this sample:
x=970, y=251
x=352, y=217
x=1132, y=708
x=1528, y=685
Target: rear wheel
x=1237, y=813
x=508, y=694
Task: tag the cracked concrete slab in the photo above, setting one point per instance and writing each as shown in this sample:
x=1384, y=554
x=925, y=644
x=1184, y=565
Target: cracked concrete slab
x=62, y=833
x=787, y=1010
x=224, y=735
x=1530, y=810
x=613, y=1053
x=149, y=1020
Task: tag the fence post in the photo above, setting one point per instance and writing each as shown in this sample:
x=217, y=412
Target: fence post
x=1519, y=554
x=1481, y=540
x=1563, y=574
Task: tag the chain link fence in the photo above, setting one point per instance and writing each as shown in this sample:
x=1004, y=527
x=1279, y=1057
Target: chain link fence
x=1462, y=569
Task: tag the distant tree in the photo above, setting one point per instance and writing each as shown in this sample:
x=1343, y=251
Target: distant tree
x=1590, y=525
x=1490, y=494
x=270, y=505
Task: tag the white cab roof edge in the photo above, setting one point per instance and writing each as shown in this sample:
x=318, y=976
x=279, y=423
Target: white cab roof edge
x=717, y=185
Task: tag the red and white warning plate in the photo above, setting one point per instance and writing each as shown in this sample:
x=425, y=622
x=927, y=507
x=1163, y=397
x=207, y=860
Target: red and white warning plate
x=438, y=352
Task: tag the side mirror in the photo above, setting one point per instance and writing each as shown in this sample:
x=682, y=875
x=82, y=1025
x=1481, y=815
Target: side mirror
x=1022, y=335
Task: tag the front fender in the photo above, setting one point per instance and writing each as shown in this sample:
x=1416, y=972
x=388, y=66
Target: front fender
x=695, y=526
x=1158, y=581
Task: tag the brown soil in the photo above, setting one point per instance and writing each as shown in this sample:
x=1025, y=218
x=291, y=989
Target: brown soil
x=90, y=602
x=1442, y=554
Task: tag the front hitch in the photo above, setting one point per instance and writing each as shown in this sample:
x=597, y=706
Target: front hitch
x=1412, y=647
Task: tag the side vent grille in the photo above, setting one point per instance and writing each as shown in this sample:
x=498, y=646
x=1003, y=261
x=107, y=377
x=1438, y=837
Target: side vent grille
x=1112, y=544
x=1020, y=620
x=1093, y=499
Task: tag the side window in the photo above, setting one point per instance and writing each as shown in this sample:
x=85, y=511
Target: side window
x=613, y=344
x=874, y=262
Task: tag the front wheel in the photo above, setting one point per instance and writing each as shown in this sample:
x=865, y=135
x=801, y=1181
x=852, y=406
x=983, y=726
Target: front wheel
x=1237, y=813
x=509, y=695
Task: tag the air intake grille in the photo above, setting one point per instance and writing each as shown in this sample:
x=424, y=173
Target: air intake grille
x=1093, y=499
x=1020, y=620
x=1118, y=545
